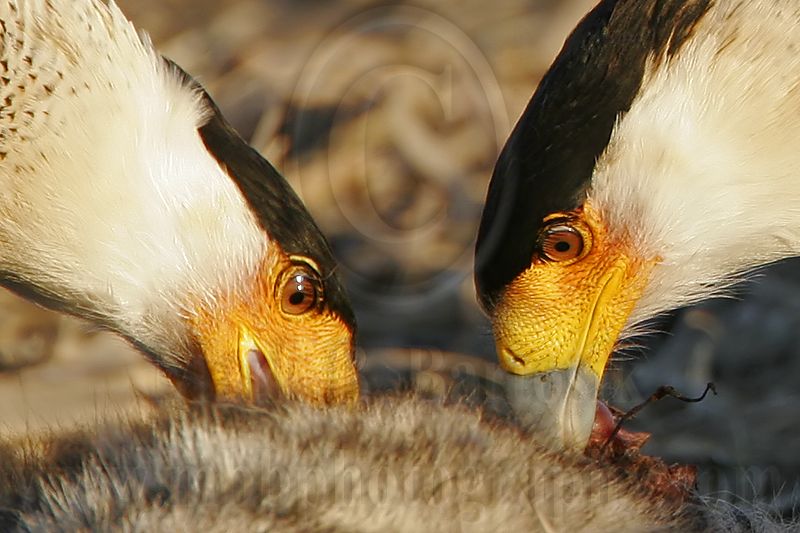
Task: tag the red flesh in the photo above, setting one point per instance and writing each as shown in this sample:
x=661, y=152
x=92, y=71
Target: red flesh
x=675, y=483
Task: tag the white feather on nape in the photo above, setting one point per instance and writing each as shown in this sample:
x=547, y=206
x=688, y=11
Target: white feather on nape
x=109, y=194
x=703, y=172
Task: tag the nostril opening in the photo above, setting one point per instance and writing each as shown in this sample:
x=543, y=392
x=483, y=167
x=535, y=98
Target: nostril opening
x=511, y=361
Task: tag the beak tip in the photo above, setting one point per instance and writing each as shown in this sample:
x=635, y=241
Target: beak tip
x=559, y=406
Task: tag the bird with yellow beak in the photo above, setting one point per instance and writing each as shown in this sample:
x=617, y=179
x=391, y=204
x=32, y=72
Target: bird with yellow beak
x=129, y=201
x=656, y=163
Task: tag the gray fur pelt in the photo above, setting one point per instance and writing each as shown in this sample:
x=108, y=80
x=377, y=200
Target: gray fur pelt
x=394, y=465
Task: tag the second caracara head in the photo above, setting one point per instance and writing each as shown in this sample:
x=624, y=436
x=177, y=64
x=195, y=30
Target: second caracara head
x=655, y=163
x=282, y=324
x=129, y=201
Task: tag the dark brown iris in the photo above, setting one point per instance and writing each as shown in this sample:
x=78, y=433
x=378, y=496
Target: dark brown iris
x=300, y=292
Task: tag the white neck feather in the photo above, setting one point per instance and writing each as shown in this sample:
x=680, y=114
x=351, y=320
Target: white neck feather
x=703, y=172
x=108, y=191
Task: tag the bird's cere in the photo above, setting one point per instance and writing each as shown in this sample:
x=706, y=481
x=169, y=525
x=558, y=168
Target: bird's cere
x=589, y=296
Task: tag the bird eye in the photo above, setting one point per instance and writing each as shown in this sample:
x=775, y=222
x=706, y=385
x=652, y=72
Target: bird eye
x=561, y=243
x=300, y=292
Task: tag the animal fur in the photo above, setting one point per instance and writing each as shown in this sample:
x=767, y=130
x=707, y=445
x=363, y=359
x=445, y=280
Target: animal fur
x=395, y=465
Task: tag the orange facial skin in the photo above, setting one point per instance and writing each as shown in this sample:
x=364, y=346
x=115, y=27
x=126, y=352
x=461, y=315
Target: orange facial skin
x=568, y=309
x=306, y=351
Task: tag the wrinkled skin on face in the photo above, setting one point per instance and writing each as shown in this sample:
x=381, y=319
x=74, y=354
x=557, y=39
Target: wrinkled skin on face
x=277, y=336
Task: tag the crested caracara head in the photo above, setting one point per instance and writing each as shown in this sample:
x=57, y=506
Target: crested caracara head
x=128, y=200
x=654, y=165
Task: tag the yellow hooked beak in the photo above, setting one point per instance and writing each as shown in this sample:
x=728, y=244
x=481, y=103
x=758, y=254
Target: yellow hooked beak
x=557, y=324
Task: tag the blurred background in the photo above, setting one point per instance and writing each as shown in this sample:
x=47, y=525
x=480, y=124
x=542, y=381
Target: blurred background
x=387, y=119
